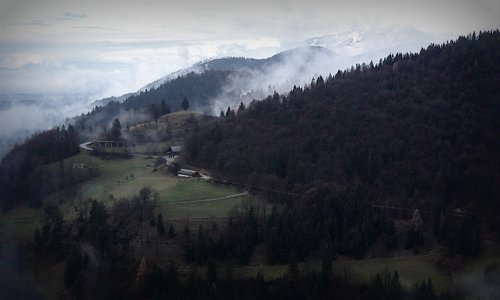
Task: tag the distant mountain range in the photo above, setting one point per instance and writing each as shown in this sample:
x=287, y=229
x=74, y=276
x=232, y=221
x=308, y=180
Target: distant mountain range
x=307, y=59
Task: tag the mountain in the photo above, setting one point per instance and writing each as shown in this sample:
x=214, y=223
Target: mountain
x=237, y=64
x=257, y=78
x=365, y=42
x=214, y=85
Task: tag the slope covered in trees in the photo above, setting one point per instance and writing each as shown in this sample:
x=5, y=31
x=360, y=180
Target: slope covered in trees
x=197, y=88
x=23, y=177
x=416, y=130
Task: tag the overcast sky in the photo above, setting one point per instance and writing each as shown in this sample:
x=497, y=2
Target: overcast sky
x=105, y=48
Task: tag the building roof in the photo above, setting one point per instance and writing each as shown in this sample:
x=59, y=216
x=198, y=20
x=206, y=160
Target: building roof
x=175, y=148
x=186, y=172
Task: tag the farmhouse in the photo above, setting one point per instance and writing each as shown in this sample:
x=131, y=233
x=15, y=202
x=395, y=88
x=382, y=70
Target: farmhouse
x=185, y=173
x=174, y=150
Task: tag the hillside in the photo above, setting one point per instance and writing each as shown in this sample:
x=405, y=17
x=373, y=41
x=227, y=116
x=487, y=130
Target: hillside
x=213, y=85
x=418, y=130
x=154, y=137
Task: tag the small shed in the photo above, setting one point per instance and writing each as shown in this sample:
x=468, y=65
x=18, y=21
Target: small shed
x=188, y=173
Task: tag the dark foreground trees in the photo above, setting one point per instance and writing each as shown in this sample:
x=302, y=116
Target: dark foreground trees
x=24, y=175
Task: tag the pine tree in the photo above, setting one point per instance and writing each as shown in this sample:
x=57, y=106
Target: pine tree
x=185, y=103
x=241, y=107
x=38, y=243
x=211, y=271
x=171, y=231
x=293, y=268
x=164, y=108
x=116, y=130
x=159, y=225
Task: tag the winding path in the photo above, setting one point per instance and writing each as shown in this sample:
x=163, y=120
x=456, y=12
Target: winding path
x=205, y=200
x=86, y=146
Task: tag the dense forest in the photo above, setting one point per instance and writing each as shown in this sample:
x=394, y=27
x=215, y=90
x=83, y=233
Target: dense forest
x=415, y=130
x=111, y=272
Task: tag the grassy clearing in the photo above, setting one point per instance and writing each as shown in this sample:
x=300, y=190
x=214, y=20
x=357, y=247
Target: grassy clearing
x=412, y=269
x=481, y=264
x=114, y=173
x=158, y=182
x=125, y=177
x=20, y=223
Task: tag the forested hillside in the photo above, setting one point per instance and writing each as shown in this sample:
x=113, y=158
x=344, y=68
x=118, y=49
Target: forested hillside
x=415, y=130
x=197, y=88
x=24, y=179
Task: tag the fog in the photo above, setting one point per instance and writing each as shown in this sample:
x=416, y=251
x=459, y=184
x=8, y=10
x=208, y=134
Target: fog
x=23, y=115
x=483, y=285
x=322, y=56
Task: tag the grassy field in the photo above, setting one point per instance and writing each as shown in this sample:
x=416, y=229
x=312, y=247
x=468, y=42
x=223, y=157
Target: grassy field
x=19, y=223
x=126, y=177
x=113, y=174
x=194, y=189
x=412, y=269
x=216, y=208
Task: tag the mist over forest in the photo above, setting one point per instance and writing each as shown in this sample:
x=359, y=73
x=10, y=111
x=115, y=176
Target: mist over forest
x=248, y=78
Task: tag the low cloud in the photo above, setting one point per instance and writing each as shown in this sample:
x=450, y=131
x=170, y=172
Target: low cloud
x=32, y=23
x=321, y=56
x=480, y=285
x=73, y=16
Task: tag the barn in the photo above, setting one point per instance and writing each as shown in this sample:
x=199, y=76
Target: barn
x=185, y=173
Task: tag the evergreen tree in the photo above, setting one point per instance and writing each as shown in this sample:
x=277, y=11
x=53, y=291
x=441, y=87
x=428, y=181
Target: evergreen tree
x=293, y=268
x=171, y=231
x=377, y=288
x=229, y=112
x=211, y=271
x=241, y=107
x=116, y=130
x=38, y=243
x=160, y=226
x=73, y=267
x=164, y=108
x=261, y=288
x=185, y=103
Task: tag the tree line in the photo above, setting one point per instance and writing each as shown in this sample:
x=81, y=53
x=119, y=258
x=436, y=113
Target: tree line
x=99, y=263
